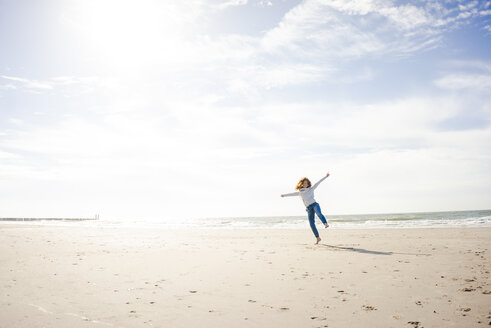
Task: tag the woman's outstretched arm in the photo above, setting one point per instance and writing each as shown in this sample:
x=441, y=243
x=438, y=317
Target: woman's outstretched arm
x=318, y=182
x=291, y=194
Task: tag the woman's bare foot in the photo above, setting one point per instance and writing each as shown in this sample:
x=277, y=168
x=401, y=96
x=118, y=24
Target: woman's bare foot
x=318, y=240
x=326, y=225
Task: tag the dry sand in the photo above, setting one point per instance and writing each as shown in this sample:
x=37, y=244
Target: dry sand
x=142, y=277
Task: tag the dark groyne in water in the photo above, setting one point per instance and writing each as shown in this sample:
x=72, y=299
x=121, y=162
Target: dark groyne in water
x=51, y=219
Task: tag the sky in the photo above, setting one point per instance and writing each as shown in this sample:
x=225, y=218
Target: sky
x=206, y=108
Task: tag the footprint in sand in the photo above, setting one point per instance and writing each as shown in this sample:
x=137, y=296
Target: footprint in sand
x=318, y=318
x=368, y=308
x=414, y=323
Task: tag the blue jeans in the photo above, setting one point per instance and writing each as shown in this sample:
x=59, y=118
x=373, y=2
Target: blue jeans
x=311, y=210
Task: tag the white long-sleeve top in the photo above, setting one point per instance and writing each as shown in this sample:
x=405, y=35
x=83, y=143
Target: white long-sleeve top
x=307, y=194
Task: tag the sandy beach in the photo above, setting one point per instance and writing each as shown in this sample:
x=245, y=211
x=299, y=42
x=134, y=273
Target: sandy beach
x=156, y=277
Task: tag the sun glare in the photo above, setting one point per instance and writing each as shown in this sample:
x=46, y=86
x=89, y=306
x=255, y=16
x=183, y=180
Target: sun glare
x=129, y=33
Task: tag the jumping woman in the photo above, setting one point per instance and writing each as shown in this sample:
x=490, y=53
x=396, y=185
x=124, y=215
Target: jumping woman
x=306, y=191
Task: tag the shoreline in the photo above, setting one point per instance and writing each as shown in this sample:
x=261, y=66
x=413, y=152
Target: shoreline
x=163, y=226
x=118, y=277
x=475, y=218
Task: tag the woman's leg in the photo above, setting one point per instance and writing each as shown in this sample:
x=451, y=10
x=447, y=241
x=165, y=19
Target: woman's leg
x=311, y=215
x=317, y=210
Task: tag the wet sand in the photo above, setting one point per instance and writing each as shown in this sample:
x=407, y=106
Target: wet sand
x=142, y=277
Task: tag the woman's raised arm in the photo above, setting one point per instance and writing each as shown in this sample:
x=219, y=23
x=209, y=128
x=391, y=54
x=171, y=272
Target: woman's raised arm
x=318, y=182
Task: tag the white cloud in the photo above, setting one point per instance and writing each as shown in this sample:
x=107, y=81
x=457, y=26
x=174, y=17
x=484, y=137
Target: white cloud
x=468, y=6
x=265, y=3
x=464, y=15
x=404, y=16
x=4, y=155
x=363, y=75
x=400, y=124
x=409, y=180
x=71, y=84
x=16, y=121
x=8, y=86
x=307, y=45
x=482, y=66
x=376, y=151
x=251, y=78
x=478, y=82
x=341, y=30
x=467, y=75
x=231, y=3
x=27, y=83
x=407, y=16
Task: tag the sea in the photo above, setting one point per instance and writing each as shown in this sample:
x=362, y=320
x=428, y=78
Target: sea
x=454, y=219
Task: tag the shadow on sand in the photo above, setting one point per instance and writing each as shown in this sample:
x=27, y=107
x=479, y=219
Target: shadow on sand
x=358, y=250
x=366, y=251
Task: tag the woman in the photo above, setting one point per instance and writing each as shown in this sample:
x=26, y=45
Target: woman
x=306, y=191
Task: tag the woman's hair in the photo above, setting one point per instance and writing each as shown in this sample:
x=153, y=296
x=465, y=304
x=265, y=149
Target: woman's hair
x=300, y=183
